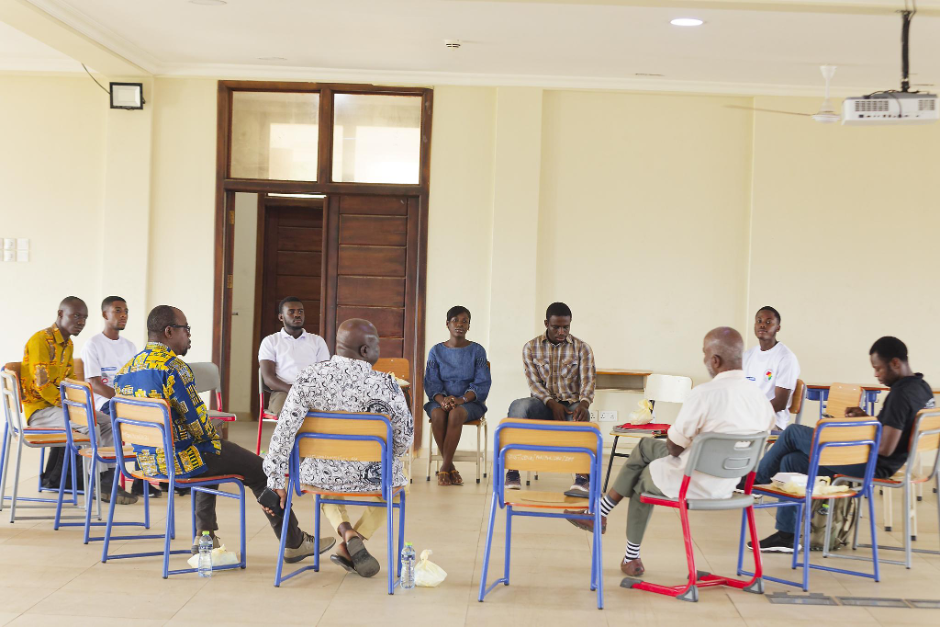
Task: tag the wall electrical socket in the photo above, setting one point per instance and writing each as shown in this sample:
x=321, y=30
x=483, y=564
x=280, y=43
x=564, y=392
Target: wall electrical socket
x=609, y=416
x=593, y=414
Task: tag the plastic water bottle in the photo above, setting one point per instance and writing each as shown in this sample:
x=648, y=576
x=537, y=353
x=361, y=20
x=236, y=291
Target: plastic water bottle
x=408, y=567
x=205, y=555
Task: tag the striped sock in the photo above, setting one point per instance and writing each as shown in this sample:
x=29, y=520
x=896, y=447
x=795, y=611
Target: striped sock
x=632, y=552
x=606, y=506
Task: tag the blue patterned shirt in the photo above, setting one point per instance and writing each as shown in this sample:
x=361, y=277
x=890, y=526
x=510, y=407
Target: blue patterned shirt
x=157, y=372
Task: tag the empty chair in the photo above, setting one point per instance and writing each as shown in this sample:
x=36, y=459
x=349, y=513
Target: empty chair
x=206, y=379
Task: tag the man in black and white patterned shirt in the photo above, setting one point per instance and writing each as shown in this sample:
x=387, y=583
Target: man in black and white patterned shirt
x=345, y=383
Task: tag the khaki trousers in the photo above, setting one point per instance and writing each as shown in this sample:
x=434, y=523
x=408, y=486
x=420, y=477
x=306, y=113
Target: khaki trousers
x=634, y=479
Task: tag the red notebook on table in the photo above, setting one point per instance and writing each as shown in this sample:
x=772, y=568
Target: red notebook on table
x=653, y=428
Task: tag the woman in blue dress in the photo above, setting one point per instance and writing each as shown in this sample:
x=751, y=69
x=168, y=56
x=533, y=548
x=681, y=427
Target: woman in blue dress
x=457, y=381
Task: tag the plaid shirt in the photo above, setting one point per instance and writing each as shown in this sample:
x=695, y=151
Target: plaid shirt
x=563, y=372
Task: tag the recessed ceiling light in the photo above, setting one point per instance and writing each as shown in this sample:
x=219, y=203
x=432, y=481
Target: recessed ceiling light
x=686, y=21
x=209, y=3
x=272, y=59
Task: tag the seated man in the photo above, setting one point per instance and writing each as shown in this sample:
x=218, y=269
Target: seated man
x=908, y=395
x=729, y=403
x=283, y=355
x=47, y=362
x=772, y=365
x=159, y=372
x=103, y=355
x=345, y=383
x=560, y=370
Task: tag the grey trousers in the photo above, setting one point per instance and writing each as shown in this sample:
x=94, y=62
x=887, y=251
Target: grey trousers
x=52, y=418
x=634, y=479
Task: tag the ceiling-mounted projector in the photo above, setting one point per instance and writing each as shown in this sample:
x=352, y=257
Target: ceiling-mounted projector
x=892, y=107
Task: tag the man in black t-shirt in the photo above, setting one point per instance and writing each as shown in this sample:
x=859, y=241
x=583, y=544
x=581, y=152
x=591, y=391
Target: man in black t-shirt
x=908, y=394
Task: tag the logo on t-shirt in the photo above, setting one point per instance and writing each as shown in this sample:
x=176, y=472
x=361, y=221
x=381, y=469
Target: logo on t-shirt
x=769, y=374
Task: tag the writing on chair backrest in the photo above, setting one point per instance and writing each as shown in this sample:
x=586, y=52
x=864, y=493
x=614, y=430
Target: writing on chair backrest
x=549, y=461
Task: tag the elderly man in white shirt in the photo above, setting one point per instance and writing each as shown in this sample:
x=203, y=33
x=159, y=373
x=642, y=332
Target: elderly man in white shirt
x=345, y=383
x=283, y=355
x=729, y=403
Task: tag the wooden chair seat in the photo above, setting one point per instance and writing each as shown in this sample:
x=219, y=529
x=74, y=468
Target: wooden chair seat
x=180, y=481
x=543, y=500
x=53, y=438
x=773, y=491
x=897, y=479
x=311, y=489
x=107, y=452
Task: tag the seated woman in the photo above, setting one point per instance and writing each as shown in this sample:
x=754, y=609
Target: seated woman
x=457, y=381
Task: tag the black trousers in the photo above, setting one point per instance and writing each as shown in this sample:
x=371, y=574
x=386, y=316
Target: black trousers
x=234, y=460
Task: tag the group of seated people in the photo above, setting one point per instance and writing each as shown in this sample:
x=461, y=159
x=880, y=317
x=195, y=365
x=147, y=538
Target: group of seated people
x=749, y=392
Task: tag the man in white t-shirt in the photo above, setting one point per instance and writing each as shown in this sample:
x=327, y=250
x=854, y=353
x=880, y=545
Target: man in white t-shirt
x=727, y=404
x=285, y=354
x=772, y=365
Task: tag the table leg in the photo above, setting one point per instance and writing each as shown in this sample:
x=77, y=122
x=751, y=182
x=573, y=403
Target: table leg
x=614, y=448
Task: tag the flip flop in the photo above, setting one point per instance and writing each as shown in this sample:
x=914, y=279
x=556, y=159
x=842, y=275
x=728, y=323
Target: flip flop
x=343, y=563
x=364, y=564
x=456, y=478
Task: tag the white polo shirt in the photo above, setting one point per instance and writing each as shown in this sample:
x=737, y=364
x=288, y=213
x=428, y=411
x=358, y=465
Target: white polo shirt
x=729, y=403
x=291, y=355
x=103, y=357
x=775, y=367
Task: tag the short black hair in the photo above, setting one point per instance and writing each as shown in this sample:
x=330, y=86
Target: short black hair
x=772, y=310
x=888, y=348
x=159, y=318
x=71, y=301
x=286, y=300
x=457, y=310
x=107, y=302
x=558, y=309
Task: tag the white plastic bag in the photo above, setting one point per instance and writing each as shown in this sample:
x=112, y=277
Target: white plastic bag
x=220, y=557
x=643, y=414
x=427, y=573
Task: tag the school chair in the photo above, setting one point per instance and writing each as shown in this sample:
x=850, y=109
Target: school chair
x=263, y=414
x=925, y=439
x=78, y=408
x=341, y=436
x=546, y=446
x=206, y=379
x=401, y=369
x=837, y=442
x=147, y=422
x=796, y=410
x=15, y=428
x=480, y=455
x=724, y=455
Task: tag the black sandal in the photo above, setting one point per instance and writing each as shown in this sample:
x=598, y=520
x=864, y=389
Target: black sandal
x=343, y=563
x=364, y=564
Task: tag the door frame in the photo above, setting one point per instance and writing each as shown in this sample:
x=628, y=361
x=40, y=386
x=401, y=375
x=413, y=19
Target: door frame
x=226, y=188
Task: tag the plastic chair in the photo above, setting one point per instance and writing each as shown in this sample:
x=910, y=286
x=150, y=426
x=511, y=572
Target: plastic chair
x=263, y=414
x=724, y=455
x=78, y=408
x=206, y=379
x=147, y=422
x=837, y=442
x=463, y=457
x=15, y=428
x=925, y=439
x=547, y=446
x=341, y=436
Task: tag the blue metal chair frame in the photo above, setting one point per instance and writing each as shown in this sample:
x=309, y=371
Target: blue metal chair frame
x=804, y=505
x=386, y=491
x=71, y=449
x=195, y=485
x=498, y=498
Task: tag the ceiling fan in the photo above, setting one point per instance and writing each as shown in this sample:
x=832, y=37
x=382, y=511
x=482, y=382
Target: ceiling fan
x=826, y=115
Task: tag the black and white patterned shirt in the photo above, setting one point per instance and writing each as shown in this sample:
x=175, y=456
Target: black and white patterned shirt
x=340, y=384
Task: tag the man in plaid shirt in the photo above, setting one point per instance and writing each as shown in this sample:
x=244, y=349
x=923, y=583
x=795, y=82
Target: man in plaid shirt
x=560, y=369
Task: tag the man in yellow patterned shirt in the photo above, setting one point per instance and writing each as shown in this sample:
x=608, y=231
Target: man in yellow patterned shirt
x=159, y=371
x=47, y=362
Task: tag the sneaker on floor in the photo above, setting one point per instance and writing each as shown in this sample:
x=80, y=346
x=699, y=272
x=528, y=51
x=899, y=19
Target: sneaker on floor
x=581, y=484
x=512, y=481
x=308, y=547
x=216, y=543
x=778, y=542
x=123, y=497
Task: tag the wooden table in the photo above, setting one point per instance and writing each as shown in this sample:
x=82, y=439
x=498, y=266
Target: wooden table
x=619, y=379
x=820, y=393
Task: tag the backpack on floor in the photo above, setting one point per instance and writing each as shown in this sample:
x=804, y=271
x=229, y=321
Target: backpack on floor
x=843, y=514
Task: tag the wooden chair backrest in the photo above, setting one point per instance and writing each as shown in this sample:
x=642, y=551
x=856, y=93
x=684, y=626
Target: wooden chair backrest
x=845, y=455
x=798, y=398
x=396, y=366
x=841, y=396
x=930, y=421
x=78, y=369
x=548, y=461
x=152, y=412
x=344, y=450
x=78, y=415
x=10, y=386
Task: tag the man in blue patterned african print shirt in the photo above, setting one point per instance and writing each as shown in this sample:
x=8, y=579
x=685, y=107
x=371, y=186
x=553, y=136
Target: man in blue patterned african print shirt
x=159, y=371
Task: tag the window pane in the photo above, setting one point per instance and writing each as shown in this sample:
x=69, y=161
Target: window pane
x=274, y=135
x=376, y=139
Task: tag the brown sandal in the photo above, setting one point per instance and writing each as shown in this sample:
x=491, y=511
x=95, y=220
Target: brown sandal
x=444, y=478
x=456, y=478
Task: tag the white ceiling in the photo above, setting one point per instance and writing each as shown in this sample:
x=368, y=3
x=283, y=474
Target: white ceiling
x=573, y=43
x=20, y=52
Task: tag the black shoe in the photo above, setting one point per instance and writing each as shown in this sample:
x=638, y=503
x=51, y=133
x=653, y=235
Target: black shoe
x=137, y=489
x=778, y=542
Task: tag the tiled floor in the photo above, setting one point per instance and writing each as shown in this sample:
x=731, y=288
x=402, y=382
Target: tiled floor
x=46, y=576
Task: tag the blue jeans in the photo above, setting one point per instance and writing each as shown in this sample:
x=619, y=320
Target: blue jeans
x=534, y=409
x=791, y=453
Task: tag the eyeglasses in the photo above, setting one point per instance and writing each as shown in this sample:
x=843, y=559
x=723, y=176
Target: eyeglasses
x=181, y=326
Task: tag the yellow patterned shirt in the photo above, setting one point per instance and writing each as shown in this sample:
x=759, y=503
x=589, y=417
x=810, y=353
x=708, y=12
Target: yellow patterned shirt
x=47, y=361
x=157, y=372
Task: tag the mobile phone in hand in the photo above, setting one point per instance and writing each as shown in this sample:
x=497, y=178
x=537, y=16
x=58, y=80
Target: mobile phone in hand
x=270, y=499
